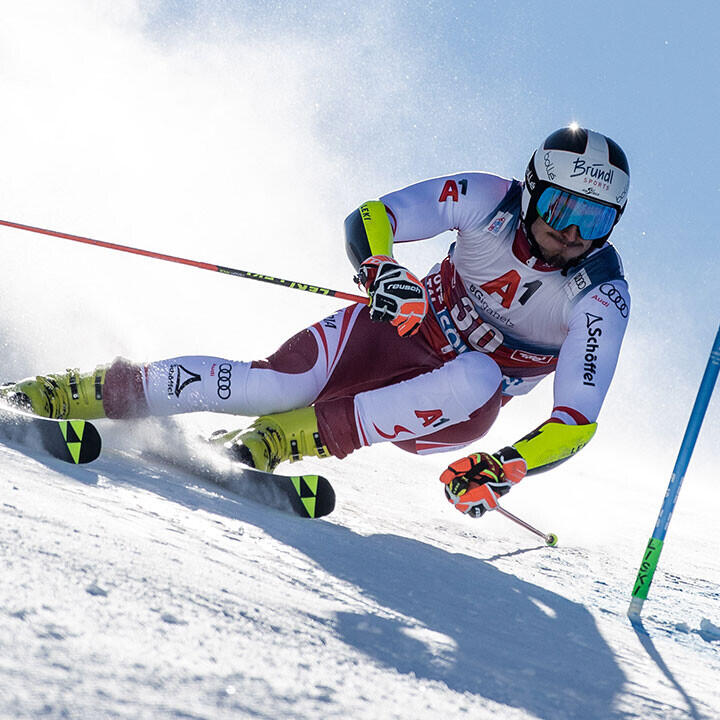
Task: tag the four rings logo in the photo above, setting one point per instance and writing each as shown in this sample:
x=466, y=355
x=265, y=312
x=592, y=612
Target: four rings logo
x=223, y=381
x=615, y=297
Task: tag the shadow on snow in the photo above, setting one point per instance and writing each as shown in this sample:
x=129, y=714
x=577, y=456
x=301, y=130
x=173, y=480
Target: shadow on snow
x=444, y=617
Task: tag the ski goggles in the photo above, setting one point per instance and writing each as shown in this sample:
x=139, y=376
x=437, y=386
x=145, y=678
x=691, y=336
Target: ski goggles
x=560, y=210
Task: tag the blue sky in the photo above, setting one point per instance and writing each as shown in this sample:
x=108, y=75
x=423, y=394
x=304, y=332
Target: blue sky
x=422, y=88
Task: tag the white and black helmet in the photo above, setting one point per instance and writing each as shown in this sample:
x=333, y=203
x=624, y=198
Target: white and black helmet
x=577, y=177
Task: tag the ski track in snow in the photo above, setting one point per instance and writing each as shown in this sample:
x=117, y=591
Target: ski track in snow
x=134, y=590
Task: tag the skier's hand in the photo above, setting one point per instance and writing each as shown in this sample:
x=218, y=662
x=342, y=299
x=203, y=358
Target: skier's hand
x=474, y=483
x=396, y=295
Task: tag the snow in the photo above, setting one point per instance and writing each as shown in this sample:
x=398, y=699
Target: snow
x=133, y=590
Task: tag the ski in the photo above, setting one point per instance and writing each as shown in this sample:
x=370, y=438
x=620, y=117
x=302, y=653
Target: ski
x=307, y=496
x=73, y=441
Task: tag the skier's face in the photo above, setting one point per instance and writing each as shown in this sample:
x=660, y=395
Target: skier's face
x=559, y=247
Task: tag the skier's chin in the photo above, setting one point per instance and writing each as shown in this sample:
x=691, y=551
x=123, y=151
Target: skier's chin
x=558, y=260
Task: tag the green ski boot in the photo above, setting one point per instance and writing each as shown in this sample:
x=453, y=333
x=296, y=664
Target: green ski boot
x=68, y=395
x=272, y=439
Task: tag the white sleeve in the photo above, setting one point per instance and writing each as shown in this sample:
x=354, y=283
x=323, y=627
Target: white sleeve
x=589, y=355
x=451, y=202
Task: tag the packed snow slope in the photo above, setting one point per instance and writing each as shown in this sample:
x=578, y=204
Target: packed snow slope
x=133, y=590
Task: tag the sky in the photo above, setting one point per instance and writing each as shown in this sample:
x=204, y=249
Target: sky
x=243, y=134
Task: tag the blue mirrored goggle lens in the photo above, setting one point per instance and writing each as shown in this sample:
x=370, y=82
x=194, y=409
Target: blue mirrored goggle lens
x=561, y=209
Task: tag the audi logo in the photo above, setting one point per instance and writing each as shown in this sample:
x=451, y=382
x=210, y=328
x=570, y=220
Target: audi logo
x=615, y=297
x=223, y=381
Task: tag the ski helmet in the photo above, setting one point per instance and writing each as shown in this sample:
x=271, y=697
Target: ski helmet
x=576, y=177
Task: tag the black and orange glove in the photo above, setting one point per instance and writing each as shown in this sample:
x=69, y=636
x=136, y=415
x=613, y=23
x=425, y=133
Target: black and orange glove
x=474, y=483
x=396, y=295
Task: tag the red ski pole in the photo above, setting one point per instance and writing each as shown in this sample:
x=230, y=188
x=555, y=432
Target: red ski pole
x=194, y=263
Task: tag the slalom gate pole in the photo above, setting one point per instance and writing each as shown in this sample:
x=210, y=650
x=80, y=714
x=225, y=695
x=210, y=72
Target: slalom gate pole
x=194, y=263
x=550, y=539
x=655, y=544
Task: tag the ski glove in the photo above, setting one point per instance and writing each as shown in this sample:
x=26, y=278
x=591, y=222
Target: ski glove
x=474, y=483
x=396, y=295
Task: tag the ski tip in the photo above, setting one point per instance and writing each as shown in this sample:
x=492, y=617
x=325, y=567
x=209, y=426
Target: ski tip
x=83, y=443
x=315, y=496
x=325, y=497
x=73, y=441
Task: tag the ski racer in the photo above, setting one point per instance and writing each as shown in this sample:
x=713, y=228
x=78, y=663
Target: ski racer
x=531, y=286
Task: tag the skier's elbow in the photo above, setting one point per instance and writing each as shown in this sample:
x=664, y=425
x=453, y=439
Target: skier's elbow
x=368, y=232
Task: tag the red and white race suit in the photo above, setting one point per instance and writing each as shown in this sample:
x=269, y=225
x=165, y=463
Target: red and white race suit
x=500, y=320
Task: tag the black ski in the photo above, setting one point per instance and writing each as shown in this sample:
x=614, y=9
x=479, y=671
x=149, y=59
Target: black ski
x=73, y=441
x=308, y=496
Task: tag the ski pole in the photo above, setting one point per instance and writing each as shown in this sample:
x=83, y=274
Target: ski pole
x=655, y=544
x=549, y=538
x=194, y=263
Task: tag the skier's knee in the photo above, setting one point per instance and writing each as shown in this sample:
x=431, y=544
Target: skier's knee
x=474, y=378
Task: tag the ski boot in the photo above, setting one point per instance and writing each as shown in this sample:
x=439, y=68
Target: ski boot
x=272, y=439
x=66, y=395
